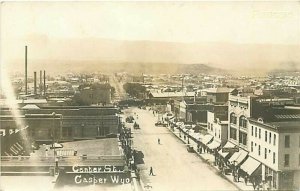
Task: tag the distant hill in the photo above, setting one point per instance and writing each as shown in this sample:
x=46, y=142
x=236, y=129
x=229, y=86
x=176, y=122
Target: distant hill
x=95, y=54
x=129, y=67
x=287, y=68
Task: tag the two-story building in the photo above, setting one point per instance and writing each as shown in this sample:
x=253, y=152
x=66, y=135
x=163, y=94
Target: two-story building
x=217, y=126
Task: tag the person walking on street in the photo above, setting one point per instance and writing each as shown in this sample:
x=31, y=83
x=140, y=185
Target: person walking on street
x=151, y=171
x=158, y=141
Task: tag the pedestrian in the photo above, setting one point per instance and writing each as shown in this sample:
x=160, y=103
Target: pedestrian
x=246, y=179
x=151, y=171
x=158, y=141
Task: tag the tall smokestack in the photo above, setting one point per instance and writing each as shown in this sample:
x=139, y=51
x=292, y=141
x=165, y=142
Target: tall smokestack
x=41, y=82
x=34, y=74
x=44, y=83
x=26, y=70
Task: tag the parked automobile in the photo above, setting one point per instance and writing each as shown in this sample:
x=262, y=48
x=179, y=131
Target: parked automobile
x=129, y=119
x=136, y=126
x=190, y=149
x=160, y=123
x=168, y=116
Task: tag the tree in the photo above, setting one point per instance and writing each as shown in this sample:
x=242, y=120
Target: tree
x=134, y=89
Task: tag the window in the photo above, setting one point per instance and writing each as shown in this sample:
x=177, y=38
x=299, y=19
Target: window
x=270, y=137
x=273, y=157
x=233, y=133
x=251, y=146
x=252, y=130
x=243, y=138
x=259, y=150
x=287, y=141
x=266, y=136
x=255, y=131
x=274, y=140
x=233, y=118
x=266, y=153
x=259, y=133
x=243, y=122
x=286, y=160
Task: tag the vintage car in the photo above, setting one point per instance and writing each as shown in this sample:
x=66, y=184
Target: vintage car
x=129, y=119
x=190, y=149
x=136, y=126
x=160, y=123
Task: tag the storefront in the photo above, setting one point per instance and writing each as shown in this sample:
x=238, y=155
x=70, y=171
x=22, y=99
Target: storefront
x=206, y=140
x=251, y=170
x=271, y=177
x=235, y=161
x=222, y=159
x=226, y=155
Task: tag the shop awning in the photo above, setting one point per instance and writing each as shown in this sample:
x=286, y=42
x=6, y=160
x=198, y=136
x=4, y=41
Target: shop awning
x=179, y=127
x=214, y=144
x=196, y=136
x=238, y=157
x=206, y=139
x=179, y=124
x=250, y=165
x=227, y=145
x=186, y=131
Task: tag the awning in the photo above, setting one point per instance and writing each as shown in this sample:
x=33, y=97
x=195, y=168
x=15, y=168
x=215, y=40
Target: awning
x=179, y=123
x=206, y=139
x=185, y=131
x=227, y=145
x=196, y=136
x=214, y=144
x=238, y=157
x=250, y=165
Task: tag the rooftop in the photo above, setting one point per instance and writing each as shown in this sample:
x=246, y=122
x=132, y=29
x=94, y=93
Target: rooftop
x=94, y=147
x=219, y=90
x=286, y=124
x=171, y=94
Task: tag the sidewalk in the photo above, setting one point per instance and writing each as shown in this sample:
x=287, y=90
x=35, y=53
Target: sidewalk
x=210, y=159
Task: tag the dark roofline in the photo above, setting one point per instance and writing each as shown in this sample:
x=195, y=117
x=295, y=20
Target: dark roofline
x=278, y=126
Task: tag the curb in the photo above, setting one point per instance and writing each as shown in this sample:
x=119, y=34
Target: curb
x=137, y=184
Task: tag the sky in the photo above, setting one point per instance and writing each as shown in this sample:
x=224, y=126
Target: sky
x=184, y=22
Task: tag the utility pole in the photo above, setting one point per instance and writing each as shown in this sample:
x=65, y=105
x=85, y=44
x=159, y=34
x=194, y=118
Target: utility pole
x=26, y=71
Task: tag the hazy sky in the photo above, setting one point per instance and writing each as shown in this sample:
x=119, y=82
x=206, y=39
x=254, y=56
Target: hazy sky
x=230, y=22
x=241, y=22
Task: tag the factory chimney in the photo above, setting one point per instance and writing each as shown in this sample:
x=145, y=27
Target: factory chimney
x=26, y=70
x=44, y=83
x=41, y=82
x=34, y=74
